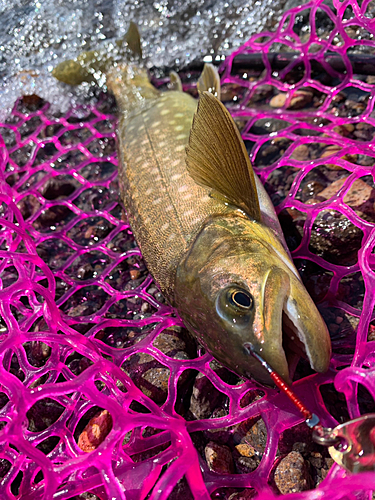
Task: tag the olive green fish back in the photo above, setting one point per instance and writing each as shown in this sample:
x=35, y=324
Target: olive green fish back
x=165, y=206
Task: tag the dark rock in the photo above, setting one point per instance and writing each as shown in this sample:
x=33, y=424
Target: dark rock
x=292, y=475
x=219, y=458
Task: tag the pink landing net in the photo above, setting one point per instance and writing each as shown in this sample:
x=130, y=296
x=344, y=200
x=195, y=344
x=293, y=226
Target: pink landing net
x=84, y=329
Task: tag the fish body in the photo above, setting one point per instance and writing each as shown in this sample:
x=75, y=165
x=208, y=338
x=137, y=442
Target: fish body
x=205, y=225
x=203, y=248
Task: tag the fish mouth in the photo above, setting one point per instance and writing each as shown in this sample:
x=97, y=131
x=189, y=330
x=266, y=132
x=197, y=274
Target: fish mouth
x=293, y=343
x=303, y=334
x=292, y=327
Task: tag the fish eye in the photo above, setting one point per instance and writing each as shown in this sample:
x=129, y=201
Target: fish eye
x=235, y=305
x=242, y=299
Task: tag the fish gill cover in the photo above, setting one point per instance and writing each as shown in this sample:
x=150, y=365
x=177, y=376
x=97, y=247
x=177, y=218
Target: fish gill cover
x=102, y=391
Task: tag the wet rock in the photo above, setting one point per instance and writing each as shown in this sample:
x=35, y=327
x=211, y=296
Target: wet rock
x=291, y=474
x=149, y=375
x=43, y=414
x=360, y=197
x=247, y=459
x=260, y=93
x=333, y=236
x=253, y=435
x=95, y=431
x=219, y=458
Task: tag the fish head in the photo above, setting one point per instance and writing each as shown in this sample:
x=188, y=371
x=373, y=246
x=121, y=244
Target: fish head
x=234, y=290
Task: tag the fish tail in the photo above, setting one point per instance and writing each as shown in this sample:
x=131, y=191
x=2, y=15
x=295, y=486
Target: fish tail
x=128, y=81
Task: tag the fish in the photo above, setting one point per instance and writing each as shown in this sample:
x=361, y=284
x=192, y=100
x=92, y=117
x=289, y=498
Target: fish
x=207, y=229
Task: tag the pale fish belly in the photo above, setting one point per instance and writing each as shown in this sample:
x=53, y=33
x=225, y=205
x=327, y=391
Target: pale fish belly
x=166, y=208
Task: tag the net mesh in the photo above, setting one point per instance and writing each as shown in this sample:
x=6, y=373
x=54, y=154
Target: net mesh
x=101, y=388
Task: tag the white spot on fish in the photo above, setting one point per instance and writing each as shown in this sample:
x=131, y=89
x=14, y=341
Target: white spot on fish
x=188, y=213
x=181, y=136
x=165, y=112
x=205, y=198
x=182, y=189
x=187, y=196
x=160, y=104
x=165, y=226
x=162, y=144
x=149, y=191
x=144, y=142
x=156, y=201
x=179, y=148
x=179, y=128
x=171, y=237
x=155, y=124
x=175, y=177
x=172, y=122
x=179, y=115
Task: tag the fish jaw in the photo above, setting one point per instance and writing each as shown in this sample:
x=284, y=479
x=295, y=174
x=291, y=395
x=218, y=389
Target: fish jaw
x=224, y=254
x=308, y=326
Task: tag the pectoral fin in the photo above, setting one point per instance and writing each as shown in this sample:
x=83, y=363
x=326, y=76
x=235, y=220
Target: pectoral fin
x=209, y=80
x=216, y=156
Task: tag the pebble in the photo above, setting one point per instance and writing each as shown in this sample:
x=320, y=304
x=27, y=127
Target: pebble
x=291, y=474
x=151, y=376
x=219, y=458
x=334, y=149
x=299, y=100
x=247, y=494
x=95, y=431
x=301, y=153
x=251, y=436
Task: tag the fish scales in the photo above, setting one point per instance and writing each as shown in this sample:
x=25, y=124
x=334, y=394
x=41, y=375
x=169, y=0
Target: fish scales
x=165, y=206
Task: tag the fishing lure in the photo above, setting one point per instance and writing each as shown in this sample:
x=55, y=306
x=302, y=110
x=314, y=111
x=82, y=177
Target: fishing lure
x=351, y=444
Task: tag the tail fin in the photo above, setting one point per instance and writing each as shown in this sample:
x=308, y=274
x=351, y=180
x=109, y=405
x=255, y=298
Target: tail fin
x=92, y=65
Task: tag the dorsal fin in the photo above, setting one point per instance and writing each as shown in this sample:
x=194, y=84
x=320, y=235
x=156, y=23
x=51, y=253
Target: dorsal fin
x=133, y=39
x=209, y=80
x=175, y=81
x=216, y=156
